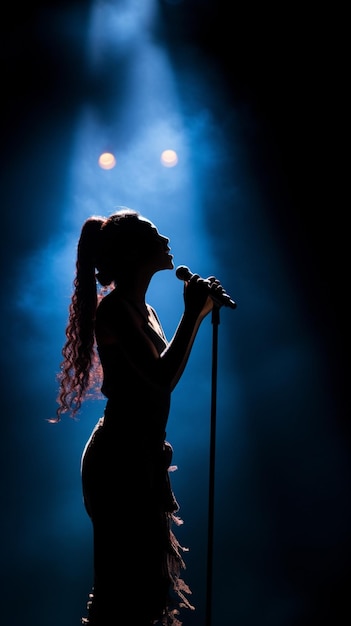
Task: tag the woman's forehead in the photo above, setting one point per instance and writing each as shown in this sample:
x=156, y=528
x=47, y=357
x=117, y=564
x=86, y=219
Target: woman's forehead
x=146, y=221
x=148, y=224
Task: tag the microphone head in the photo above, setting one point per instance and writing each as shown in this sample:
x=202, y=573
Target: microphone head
x=183, y=272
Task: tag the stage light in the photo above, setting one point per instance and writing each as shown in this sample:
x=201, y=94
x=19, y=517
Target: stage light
x=107, y=161
x=169, y=158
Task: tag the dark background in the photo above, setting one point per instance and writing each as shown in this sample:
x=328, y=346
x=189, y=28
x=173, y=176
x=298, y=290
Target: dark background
x=283, y=68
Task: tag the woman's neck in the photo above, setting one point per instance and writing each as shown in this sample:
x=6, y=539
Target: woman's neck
x=134, y=288
x=134, y=297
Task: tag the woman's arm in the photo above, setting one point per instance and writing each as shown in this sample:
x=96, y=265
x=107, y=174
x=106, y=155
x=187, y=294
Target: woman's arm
x=197, y=306
x=127, y=336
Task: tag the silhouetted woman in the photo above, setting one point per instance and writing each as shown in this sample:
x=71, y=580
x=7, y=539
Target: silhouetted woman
x=126, y=461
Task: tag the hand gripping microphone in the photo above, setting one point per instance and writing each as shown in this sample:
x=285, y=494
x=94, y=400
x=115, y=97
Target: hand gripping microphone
x=183, y=273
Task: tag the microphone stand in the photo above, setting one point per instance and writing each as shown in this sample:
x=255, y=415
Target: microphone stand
x=215, y=323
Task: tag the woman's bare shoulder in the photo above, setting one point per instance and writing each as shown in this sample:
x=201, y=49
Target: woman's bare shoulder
x=116, y=320
x=107, y=303
x=110, y=318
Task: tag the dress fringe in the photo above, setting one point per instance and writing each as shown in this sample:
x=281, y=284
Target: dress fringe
x=176, y=590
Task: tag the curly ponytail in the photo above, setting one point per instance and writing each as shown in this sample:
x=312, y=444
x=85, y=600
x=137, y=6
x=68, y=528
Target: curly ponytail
x=104, y=245
x=80, y=361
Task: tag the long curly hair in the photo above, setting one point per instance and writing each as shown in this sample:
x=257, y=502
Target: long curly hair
x=101, y=248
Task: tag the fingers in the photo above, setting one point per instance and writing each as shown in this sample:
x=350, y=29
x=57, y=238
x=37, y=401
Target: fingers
x=196, y=293
x=203, y=290
x=215, y=286
x=211, y=284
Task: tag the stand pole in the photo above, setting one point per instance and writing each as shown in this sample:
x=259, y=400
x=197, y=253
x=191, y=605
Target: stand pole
x=215, y=323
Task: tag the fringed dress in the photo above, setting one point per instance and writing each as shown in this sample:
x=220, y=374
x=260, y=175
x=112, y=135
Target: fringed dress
x=128, y=496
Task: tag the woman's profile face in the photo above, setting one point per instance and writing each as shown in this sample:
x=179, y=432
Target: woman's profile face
x=154, y=246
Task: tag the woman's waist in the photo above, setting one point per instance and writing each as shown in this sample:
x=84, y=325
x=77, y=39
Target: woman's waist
x=146, y=424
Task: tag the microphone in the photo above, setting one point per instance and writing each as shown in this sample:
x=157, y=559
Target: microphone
x=184, y=273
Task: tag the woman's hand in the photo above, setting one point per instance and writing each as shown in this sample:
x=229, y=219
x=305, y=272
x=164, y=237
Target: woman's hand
x=200, y=295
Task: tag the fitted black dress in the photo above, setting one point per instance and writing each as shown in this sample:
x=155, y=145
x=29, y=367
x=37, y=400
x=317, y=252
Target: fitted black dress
x=127, y=494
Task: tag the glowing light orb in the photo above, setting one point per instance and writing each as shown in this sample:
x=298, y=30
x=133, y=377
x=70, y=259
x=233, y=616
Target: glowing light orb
x=107, y=160
x=169, y=158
